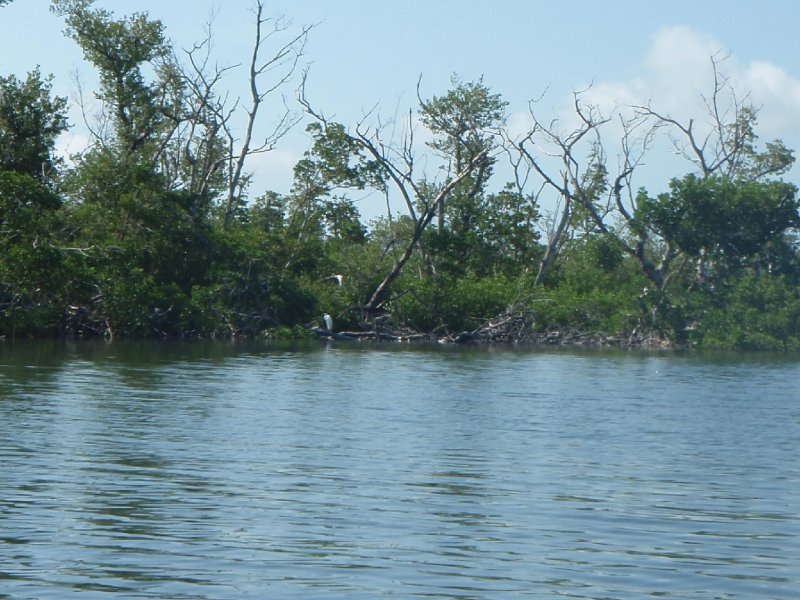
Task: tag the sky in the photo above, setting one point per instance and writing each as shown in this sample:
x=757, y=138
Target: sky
x=368, y=54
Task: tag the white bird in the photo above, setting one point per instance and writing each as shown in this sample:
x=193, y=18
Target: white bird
x=328, y=321
x=336, y=278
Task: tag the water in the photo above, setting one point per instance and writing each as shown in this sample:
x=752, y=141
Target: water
x=254, y=471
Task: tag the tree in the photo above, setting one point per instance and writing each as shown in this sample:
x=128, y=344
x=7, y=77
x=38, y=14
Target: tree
x=726, y=146
x=31, y=278
x=506, y=234
x=729, y=222
x=362, y=158
x=752, y=313
x=211, y=112
x=153, y=203
x=180, y=120
x=584, y=196
x=609, y=204
x=728, y=217
x=724, y=149
x=144, y=244
x=465, y=122
x=31, y=119
x=31, y=275
x=120, y=48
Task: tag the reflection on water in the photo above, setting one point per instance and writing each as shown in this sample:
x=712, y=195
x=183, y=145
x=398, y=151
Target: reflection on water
x=231, y=471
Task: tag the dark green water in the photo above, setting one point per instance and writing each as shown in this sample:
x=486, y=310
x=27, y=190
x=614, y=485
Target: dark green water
x=254, y=471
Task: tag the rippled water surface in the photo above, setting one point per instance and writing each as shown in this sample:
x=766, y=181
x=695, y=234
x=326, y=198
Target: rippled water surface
x=254, y=471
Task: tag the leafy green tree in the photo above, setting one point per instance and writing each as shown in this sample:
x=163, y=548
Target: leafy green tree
x=507, y=232
x=724, y=220
x=120, y=49
x=32, y=275
x=503, y=238
x=145, y=245
x=752, y=312
x=480, y=237
x=595, y=287
x=248, y=289
x=32, y=278
x=31, y=119
x=144, y=248
x=362, y=159
x=343, y=221
x=465, y=122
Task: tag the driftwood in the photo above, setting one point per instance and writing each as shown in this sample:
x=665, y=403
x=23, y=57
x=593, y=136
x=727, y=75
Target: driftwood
x=518, y=328
x=353, y=336
x=508, y=328
x=332, y=335
x=401, y=336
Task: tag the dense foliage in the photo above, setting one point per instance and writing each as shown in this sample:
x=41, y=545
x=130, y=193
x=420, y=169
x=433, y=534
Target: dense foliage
x=154, y=230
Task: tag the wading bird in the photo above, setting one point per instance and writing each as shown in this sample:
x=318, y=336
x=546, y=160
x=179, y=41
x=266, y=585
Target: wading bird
x=336, y=278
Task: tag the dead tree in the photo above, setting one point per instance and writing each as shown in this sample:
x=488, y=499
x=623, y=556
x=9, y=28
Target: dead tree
x=207, y=150
x=585, y=184
x=394, y=166
x=724, y=143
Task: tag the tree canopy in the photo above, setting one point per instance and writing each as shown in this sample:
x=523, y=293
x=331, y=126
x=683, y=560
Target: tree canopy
x=155, y=230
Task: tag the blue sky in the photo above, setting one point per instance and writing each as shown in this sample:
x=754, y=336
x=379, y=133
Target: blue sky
x=368, y=52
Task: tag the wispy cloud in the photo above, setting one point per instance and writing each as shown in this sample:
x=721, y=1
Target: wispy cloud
x=676, y=78
x=677, y=75
x=778, y=95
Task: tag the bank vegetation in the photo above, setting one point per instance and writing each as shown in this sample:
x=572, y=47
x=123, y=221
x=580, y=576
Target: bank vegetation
x=155, y=229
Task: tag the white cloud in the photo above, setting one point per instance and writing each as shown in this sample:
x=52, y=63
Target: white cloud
x=680, y=55
x=677, y=79
x=778, y=95
x=679, y=74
